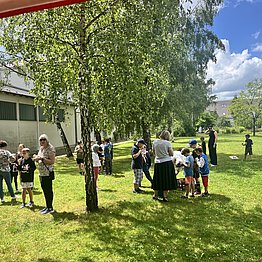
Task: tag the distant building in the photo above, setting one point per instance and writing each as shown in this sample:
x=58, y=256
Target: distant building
x=221, y=108
x=22, y=122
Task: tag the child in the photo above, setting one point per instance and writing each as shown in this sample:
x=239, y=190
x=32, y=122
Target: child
x=96, y=163
x=80, y=156
x=203, y=169
x=14, y=174
x=248, y=149
x=101, y=157
x=188, y=172
x=146, y=163
x=27, y=167
x=203, y=145
x=193, y=144
x=108, y=157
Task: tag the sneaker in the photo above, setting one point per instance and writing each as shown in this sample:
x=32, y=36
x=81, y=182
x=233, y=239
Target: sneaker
x=192, y=195
x=138, y=191
x=165, y=199
x=43, y=210
x=23, y=205
x=48, y=211
x=30, y=204
x=197, y=193
x=205, y=195
x=155, y=198
x=184, y=197
x=2, y=200
x=17, y=191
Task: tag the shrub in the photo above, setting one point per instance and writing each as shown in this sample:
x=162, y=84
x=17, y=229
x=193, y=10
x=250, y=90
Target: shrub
x=227, y=130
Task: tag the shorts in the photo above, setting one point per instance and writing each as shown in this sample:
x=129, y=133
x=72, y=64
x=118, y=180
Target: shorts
x=205, y=181
x=27, y=184
x=79, y=161
x=248, y=150
x=96, y=170
x=195, y=171
x=138, y=176
x=189, y=180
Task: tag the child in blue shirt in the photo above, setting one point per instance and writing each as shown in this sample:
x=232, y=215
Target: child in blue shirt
x=203, y=169
x=188, y=172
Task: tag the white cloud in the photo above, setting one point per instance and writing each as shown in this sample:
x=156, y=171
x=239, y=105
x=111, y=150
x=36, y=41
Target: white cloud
x=257, y=47
x=233, y=71
x=256, y=35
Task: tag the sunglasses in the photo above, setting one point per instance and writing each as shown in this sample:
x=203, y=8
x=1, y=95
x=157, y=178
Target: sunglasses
x=42, y=139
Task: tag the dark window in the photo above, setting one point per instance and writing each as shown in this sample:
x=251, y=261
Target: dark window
x=61, y=115
x=7, y=111
x=27, y=112
x=42, y=117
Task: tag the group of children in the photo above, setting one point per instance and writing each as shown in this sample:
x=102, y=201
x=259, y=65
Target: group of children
x=197, y=163
x=22, y=168
x=193, y=165
x=102, y=156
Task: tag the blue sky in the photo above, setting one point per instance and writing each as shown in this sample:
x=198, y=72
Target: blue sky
x=239, y=25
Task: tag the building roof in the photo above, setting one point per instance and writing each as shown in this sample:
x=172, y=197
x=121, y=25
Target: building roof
x=9, y=89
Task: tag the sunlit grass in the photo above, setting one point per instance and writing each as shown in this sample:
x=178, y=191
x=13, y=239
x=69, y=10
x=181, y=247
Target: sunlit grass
x=130, y=227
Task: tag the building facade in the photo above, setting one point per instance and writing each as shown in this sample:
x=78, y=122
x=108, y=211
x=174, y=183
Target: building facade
x=22, y=122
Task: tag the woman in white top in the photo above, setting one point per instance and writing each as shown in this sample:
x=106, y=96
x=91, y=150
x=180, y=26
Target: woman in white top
x=164, y=172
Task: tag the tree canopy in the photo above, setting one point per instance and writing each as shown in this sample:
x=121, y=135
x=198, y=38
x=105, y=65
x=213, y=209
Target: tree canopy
x=132, y=65
x=246, y=109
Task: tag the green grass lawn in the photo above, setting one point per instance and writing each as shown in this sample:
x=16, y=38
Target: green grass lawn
x=130, y=227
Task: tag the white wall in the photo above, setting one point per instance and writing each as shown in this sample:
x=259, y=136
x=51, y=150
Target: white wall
x=27, y=132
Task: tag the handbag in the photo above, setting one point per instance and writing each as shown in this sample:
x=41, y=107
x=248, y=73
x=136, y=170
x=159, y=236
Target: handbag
x=51, y=173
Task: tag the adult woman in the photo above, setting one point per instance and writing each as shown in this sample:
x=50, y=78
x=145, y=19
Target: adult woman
x=164, y=173
x=5, y=159
x=212, y=145
x=46, y=160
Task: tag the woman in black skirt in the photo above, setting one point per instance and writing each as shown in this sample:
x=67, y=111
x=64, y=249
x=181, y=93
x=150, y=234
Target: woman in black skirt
x=164, y=172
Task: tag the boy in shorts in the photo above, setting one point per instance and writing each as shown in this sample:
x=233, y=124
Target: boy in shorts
x=188, y=172
x=248, y=147
x=27, y=168
x=203, y=169
x=137, y=164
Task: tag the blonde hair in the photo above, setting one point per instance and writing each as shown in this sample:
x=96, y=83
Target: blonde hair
x=20, y=147
x=165, y=135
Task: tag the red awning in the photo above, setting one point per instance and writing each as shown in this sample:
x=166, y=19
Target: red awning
x=16, y=7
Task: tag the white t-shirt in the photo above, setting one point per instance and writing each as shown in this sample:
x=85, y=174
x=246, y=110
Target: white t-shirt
x=161, y=148
x=96, y=161
x=178, y=157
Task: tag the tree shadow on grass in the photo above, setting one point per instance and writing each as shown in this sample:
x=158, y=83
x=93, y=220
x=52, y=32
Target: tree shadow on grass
x=236, y=167
x=107, y=190
x=202, y=229
x=47, y=260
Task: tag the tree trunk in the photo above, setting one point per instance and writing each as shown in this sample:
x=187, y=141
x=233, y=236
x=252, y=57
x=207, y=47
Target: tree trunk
x=64, y=139
x=86, y=117
x=146, y=135
x=98, y=137
x=254, y=126
x=90, y=187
